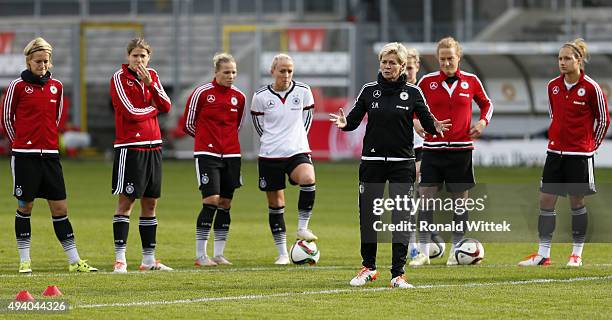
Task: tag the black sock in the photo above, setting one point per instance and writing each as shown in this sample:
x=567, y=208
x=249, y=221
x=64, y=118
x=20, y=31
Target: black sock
x=305, y=204
x=460, y=217
x=23, y=233
x=205, y=221
x=579, y=225
x=222, y=224
x=148, y=230
x=64, y=233
x=121, y=227
x=546, y=227
x=276, y=220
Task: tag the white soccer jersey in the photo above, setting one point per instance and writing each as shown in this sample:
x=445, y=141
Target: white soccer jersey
x=282, y=120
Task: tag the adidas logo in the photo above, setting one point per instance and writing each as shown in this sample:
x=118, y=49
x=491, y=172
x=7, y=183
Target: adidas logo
x=29, y=142
x=210, y=145
x=372, y=150
x=138, y=134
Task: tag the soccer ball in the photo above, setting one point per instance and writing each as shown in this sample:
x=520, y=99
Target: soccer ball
x=436, y=247
x=469, y=251
x=303, y=252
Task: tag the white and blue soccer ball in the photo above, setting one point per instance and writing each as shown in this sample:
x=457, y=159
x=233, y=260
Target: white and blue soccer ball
x=469, y=251
x=437, y=247
x=303, y=252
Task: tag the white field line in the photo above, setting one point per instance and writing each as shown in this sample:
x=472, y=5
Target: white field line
x=333, y=291
x=277, y=268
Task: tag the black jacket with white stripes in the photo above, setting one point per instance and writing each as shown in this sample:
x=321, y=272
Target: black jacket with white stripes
x=391, y=107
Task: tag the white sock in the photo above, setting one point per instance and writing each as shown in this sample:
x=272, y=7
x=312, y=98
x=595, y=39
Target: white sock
x=544, y=249
x=148, y=259
x=577, y=249
x=219, y=247
x=120, y=254
x=201, y=248
x=280, y=241
x=424, y=248
x=73, y=256
x=303, y=222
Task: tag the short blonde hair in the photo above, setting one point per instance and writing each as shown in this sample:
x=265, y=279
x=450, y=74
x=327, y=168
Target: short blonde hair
x=37, y=44
x=579, y=47
x=279, y=57
x=220, y=58
x=395, y=48
x=139, y=43
x=448, y=43
x=413, y=53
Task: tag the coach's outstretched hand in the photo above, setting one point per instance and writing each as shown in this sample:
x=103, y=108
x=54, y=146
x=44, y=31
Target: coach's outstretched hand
x=442, y=126
x=339, y=120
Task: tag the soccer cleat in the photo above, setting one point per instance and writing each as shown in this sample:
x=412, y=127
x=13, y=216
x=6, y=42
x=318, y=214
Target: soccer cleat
x=306, y=234
x=157, y=266
x=364, y=276
x=282, y=260
x=400, y=282
x=452, y=260
x=419, y=260
x=120, y=267
x=534, y=260
x=221, y=260
x=81, y=266
x=25, y=267
x=574, y=261
x=204, y=261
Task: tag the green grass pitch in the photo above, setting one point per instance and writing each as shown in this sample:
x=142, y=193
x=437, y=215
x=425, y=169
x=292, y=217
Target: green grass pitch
x=253, y=288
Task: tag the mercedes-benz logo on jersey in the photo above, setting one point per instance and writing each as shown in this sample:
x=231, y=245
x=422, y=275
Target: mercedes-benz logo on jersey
x=464, y=85
x=556, y=90
x=376, y=94
x=210, y=98
x=581, y=92
x=18, y=191
x=270, y=104
x=204, y=179
x=433, y=86
x=129, y=189
x=404, y=95
x=29, y=89
x=129, y=82
x=234, y=101
x=262, y=183
x=296, y=100
x=53, y=89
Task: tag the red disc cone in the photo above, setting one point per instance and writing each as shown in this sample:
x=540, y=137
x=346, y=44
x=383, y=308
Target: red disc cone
x=24, y=296
x=52, y=291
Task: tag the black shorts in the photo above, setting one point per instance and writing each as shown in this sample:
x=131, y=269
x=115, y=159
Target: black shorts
x=137, y=173
x=418, y=154
x=453, y=168
x=565, y=175
x=218, y=176
x=272, y=171
x=37, y=177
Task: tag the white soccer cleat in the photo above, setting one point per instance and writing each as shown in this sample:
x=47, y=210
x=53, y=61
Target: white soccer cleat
x=364, y=276
x=205, y=261
x=534, y=260
x=420, y=260
x=157, y=266
x=400, y=282
x=221, y=260
x=574, y=261
x=452, y=260
x=282, y=260
x=307, y=235
x=120, y=267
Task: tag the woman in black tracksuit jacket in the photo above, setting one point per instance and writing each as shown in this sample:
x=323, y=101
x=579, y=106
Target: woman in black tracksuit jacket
x=391, y=104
